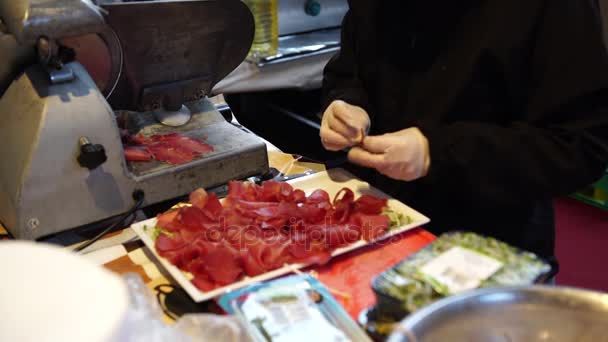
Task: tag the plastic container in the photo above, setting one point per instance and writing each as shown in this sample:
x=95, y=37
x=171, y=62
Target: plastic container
x=292, y=308
x=454, y=263
x=266, y=38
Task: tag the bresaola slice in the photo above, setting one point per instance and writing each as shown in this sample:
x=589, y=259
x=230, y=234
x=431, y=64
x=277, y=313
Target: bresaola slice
x=261, y=228
x=171, y=148
x=138, y=153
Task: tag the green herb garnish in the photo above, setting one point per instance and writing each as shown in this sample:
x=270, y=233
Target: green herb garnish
x=396, y=219
x=157, y=231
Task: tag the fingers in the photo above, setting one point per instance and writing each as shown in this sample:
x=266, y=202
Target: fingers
x=354, y=120
x=359, y=156
x=376, y=144
x=333, y=141
x=342, y=128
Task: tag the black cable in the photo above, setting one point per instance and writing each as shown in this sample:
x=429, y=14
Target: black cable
x=138, y=196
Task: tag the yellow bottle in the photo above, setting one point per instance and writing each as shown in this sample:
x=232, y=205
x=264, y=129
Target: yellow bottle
x=266, y=39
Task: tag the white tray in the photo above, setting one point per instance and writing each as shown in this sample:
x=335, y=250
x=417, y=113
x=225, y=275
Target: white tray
x=331, y=181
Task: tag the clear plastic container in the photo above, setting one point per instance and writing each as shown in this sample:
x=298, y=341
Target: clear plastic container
x=266, y=39
x=144, y=323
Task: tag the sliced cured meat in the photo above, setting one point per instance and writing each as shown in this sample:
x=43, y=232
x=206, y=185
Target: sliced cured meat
x=251, y=265
x=344, y=197
x=311, y=213
x=169, y=155
x=213, y=207
x=198, y=198
x=222, y=266
x=343, y=205
x=299, y=196
x=193, y=146
x=204, y=284
x=138, y=153
x=318, y=196
x=165, y=219
x=270, y=191
x=370, y=204
x=193, y=218
x=260, y=228
x=242, y=190
x=373, y=226
x=340, y=235
x=270, y=255
x=164, y=243
x=171, y=148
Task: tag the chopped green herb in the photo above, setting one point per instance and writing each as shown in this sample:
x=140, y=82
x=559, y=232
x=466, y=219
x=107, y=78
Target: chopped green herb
x=157, y=231
x=397, y=219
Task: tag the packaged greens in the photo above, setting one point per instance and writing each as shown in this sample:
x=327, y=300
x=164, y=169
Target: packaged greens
x=453, y=263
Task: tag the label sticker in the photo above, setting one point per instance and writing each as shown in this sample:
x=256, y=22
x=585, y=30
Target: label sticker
x=460, y=269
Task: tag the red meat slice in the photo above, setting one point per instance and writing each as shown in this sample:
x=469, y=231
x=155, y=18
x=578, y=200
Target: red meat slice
x=307, y=248
x=343, y=205
x=199, y=198
x=165, y=153
x=311, y=213
x=189, y=254
x=286, y=192
x=299, y=196
x=370, y=205
x=242, y=190
x=270, y=192
x=251, y=266
x=165, y=219
x=344, y=197
x=318, y=196
x=341, y=235
x=270, y=254
x=170, y=148
x=165, y=243
x=193, y=218
x=372, y=226
x=193, y=146
x=213, y=208
x=260, y=228
x=138, y=139
x=138, y=153
x=204, y=284
x=222, y=266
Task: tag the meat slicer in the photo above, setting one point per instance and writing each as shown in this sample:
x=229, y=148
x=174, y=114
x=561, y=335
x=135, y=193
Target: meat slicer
x=71, y=71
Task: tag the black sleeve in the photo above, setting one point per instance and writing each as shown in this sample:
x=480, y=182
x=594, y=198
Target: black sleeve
x=341, y=79
x=561, y=143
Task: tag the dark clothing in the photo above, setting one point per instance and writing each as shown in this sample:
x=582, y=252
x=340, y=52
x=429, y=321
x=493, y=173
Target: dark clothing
x=511, y=94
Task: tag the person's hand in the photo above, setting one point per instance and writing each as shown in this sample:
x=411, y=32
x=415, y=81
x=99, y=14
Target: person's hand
x=343, y=126
x=402, y=155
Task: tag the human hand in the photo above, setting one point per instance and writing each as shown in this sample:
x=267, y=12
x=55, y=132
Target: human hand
x=343, y=126
x=402, y=155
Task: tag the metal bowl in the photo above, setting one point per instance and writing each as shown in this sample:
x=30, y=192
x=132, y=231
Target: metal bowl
x=535, y=313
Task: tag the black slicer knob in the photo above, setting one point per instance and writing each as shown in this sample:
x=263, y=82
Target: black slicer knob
x=91, y=155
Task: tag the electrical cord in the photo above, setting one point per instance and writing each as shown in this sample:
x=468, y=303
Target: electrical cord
x=138, y=196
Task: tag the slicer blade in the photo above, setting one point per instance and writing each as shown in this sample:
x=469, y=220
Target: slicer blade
x=176, y=118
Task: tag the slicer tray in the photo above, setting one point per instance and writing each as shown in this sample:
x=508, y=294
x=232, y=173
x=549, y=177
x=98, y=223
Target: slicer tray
x=206, y=124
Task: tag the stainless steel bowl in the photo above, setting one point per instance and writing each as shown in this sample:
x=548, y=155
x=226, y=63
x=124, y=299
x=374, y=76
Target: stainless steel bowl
x=535, y=313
